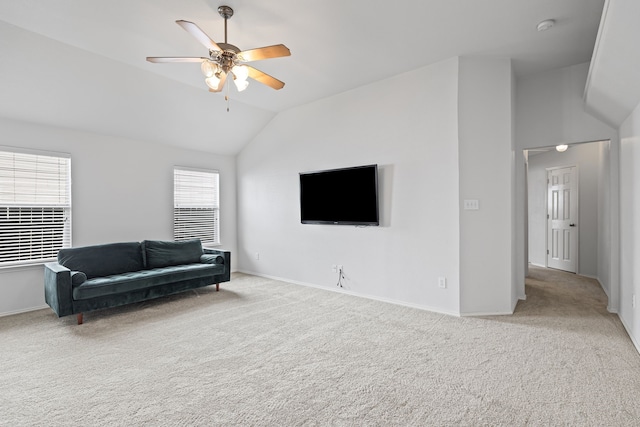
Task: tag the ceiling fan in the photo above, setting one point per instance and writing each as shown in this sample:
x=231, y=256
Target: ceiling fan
x=226, y=59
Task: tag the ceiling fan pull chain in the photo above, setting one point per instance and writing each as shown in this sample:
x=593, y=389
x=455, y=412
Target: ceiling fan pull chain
x=226, y=98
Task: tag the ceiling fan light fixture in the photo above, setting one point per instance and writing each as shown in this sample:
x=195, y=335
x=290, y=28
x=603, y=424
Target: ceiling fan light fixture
x=241, y=72
x=213, y=82
x=225, y=58
x=208, y=68
x=241, y=84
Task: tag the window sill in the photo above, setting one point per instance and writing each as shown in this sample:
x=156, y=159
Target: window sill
x=211, y=245
x=26, y=266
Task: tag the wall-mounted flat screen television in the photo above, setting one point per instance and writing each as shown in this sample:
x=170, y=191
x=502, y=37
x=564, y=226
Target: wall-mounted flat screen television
x=347, y=196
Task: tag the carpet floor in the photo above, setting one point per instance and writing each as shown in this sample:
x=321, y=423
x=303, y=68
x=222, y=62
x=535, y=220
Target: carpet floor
x=267, y=353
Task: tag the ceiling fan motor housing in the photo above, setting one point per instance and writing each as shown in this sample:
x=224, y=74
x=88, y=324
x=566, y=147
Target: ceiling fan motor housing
x=227, y=60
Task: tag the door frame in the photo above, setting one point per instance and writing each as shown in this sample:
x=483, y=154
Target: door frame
x=610, y=260
x=546, y=202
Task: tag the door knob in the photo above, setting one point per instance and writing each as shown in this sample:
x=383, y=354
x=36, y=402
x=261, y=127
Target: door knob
x=572, y=225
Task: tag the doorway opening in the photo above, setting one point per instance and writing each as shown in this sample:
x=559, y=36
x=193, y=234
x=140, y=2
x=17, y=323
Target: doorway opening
x=567, y=227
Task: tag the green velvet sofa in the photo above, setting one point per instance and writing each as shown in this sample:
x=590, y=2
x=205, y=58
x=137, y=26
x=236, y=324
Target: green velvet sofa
x=94, y=277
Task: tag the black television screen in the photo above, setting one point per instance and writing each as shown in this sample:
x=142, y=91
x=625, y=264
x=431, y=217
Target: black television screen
x=347, y=196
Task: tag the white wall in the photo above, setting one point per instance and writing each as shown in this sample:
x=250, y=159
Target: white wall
x=587, y=157
x=550, y=111
x=606, y=242
x=613, y=94
x=630, y=230
x=441, y=134
x=408, y=125
x=122, y=190
x=485, y=153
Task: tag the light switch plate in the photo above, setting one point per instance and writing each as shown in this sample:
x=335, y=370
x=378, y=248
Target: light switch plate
x=471, y=205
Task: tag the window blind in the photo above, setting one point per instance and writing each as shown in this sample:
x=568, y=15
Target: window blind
x=196, y=210
x=35, y=206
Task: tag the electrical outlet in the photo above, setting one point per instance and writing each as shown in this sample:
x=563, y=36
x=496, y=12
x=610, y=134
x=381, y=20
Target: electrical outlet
x=334, y=268
x=257, y=255
x=442, y=282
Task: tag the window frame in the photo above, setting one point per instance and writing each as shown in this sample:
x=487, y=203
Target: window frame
x=214, y=205
x=28, y=257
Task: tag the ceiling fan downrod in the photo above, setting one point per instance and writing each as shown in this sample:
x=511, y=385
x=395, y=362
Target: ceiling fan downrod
x=226, y=12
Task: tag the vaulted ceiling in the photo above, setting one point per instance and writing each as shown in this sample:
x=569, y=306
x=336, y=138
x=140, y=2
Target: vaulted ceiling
x=81, y=64
x=613, y=87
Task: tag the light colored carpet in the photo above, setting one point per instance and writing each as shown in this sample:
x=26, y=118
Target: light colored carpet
x=263, y=352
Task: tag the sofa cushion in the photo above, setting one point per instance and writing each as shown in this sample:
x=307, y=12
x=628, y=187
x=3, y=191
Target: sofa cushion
x=103, y=260
x=160, y=253
x=126, y=282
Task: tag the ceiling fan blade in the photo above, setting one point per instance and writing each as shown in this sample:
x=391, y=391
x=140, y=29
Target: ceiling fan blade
x=223, y=79
x=157, y=59
x=275, y=51
x=200, y=35
x=265, y=78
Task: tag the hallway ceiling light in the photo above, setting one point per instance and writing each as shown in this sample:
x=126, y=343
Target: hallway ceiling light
x=562, y=147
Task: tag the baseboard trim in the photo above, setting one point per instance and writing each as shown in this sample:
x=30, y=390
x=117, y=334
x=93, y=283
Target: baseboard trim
x=354, y=294
x=606, y=291
x=24, y=310
x=488, y=313
x=633, y=340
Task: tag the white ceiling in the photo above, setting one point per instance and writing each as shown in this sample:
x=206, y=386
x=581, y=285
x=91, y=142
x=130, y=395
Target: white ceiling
x=81, y=63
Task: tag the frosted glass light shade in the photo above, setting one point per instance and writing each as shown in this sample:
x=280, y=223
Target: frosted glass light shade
x=562, y=147
x=212, y=82
x=241, y=84
x=208, y=68
x=241, y=72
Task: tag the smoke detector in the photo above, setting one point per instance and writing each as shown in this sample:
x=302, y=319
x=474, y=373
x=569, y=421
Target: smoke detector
x=546, y=24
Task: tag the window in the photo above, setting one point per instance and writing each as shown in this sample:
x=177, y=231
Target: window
x=35, y=206
x=196, y=210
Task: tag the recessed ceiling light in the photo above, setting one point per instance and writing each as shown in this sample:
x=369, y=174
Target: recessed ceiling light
x=546, y=24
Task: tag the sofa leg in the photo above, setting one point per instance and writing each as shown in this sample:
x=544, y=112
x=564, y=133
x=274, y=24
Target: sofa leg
x=217, y=287
x=80, y=318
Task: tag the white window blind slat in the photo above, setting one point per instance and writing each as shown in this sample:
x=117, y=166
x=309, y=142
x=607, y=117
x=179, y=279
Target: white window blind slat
x=35, y=206
x=196, y=207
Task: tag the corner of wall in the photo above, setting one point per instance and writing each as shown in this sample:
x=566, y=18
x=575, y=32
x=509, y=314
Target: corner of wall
x=486, y=138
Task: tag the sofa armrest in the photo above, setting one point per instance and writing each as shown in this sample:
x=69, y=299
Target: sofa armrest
x=58, y=289
x=227, y=261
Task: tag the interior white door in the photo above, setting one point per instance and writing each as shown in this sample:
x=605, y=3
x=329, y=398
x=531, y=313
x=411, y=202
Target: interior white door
x=562, y=219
